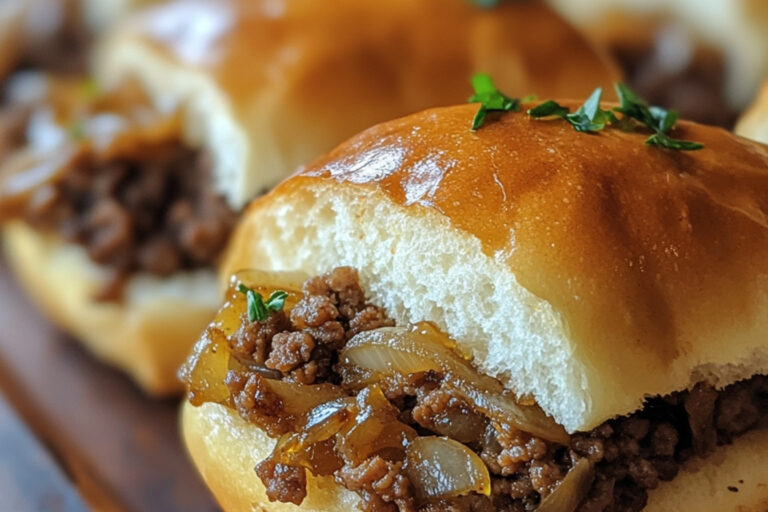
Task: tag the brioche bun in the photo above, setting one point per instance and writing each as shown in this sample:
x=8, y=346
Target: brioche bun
x=737, y=28
x=588, y=271
x=266, y=89
x=225, y=449
x=147, y=335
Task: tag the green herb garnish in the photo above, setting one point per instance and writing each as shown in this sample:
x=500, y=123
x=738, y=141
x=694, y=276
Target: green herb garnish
x=665, y=141
x=549, y=108
x=591, y=118
x=657, y=119
x=486, y=3
x=258, y=310
x=490, y=99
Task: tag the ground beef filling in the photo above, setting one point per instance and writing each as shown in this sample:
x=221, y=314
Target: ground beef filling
x=154, y=212
x=631, y=455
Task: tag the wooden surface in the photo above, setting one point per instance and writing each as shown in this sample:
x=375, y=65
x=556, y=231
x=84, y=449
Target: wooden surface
x=77, y=432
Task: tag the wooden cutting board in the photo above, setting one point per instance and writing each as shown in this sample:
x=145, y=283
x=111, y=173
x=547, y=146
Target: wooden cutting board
x=76, y=435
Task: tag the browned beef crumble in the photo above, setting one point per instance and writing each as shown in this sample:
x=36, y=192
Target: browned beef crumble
x=632, y=454
x=153, y=212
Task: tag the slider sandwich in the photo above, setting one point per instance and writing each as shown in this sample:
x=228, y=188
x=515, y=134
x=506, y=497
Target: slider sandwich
x=119, y=195
x=705, y=58
x=563, y=309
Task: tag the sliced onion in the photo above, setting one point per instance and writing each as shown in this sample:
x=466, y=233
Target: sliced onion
x=375, y=428
x=507, y=412
x=422, y=347
x=388, y=349
x=205, y=370
x=465, y=426
x=307, y=447
x=299, y=399
x=439, y=467
x=572, y=490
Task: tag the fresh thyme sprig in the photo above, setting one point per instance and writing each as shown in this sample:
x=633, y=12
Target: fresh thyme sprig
x=258, y=309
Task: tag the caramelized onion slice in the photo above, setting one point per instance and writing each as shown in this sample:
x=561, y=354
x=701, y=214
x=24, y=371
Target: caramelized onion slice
x=439, y=467
x=389, y=349
x=205, y=370
x=299, y=399
x=422, y=347
x=374, y=429
x=308, y=445
x=505, y=410
x=572, y=490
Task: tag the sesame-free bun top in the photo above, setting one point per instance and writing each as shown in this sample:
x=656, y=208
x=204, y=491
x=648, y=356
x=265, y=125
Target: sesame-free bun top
x=269, y=85
x=587, y=270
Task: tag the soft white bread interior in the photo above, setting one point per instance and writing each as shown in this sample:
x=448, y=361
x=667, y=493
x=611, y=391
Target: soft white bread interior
x=754, y=122
x=265, y=88
x=225, y=449
x=589, y=271
x=147, y=335
x=738, y=28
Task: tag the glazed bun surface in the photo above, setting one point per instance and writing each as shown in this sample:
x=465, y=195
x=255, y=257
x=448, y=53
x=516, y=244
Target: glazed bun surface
x=225, y=449
x=266, y=89
x=587, y=270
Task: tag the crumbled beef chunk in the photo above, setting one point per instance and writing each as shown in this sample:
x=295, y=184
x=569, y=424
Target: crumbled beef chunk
x=256, y=402
x=289, y=350
x=252, y=339
x=381, y=483
x=287, y=484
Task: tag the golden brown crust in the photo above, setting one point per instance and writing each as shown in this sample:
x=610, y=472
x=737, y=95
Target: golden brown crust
x=148, y=336
x=654, y=261
x=267, y=90
x=517, y=42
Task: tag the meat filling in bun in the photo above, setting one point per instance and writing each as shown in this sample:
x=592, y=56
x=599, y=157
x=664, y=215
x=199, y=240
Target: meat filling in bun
x=119, y=193
x=520, y=317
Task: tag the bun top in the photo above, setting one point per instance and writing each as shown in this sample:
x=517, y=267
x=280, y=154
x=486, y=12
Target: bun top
x=269, y=85
x=601, y=271
x=737, y=28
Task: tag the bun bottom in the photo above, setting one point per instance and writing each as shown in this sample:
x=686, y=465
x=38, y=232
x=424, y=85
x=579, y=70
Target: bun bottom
x=148, y=335
x=225, y=449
